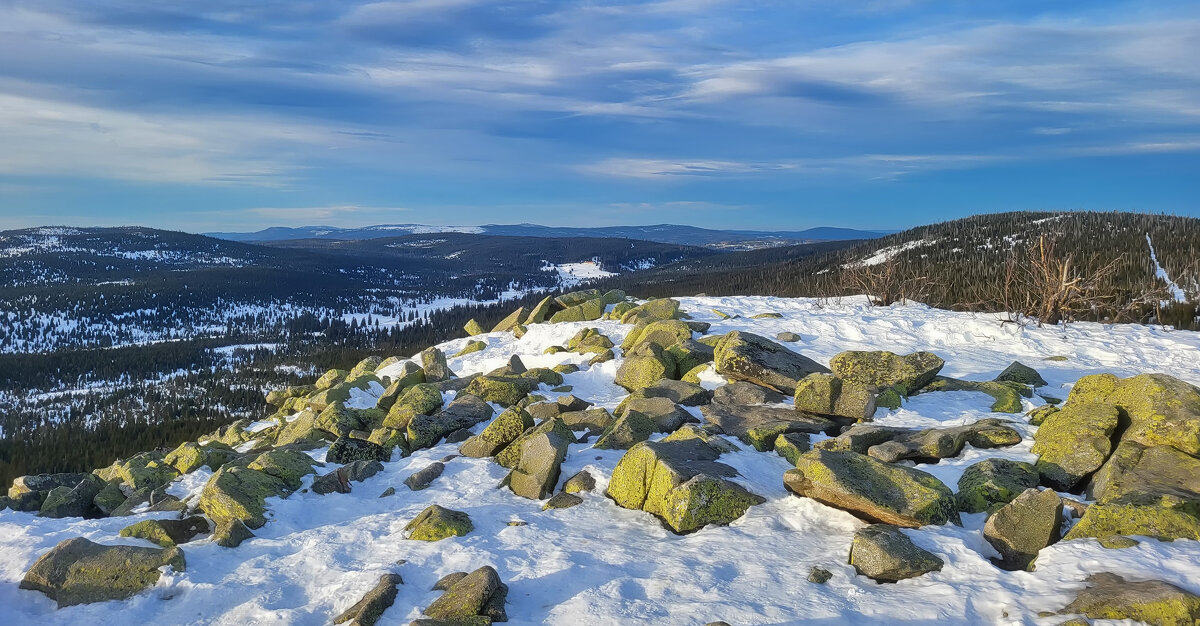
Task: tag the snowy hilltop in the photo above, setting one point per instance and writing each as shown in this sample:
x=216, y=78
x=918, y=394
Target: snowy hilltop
x=597, y=459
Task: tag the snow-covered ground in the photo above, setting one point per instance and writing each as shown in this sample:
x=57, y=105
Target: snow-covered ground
x=600, y=564
x=575, y=274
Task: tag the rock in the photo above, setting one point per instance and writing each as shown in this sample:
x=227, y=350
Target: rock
x=887, y=369
x=680, y=482
x=167, y=532
x=628, y=430
x=108, y=499
x=145, y=471
x=537, y=470
x=1141, y=474
x=240, y=493
x=589, y=340
x=368, y=610
x=1167, y=520
x=433, y=362
x=1019, y=529
x=580, y=482
x=884, y=553
x=77, y=501
x=1038, y=416
x=347, y=450
x=339, y=480
x=1161, y=410
x=1108, y=596
x=28, y=493
x=447, y=581
x=390, y=439
x=231, y=534
x=819, y=575
x=1007, y=395
x=574, y=298
x=931, y=444
x=508, y=323
x=502, y=431
x=436, y=523
x=644, y=366
x=826, y=394
x=658, y=309
x=1018, y=372
x=753, y=358
x=666, y=415
x=662, y=333
x=408, y=375
x=538, y=313
x=390, y=491
x=330, y=378
x=587, y=311
x=191, y=456
x=592, y=420
x=990, y=482
x=789, y=337
x=791, y=445
x=475, y=594
x=278, y=396
x=419, y=399
x=423, y=478
x=693, y=375
x=511, y=454
x=571, y=403
x=471, y=347
x=706, y=434
x=760, y=426
x=742, y=393
x=78, y=571
x=466, y=411
x=677, y=391
x=562, y=500
x=1074, y=442
x=473, y=328
x=288, y=466
x=503, y=390
x=871, y=489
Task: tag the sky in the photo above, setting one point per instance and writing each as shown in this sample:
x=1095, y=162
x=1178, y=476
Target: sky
x=774, y=114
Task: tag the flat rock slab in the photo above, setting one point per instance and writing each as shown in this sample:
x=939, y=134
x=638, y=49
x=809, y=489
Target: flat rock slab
x=1108, y=596
x=759, y=426
x=78, y=571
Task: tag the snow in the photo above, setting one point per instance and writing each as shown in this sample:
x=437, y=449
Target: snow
x=575, y=274
x=600, y=564
x=883, y=255
x=1176, y=293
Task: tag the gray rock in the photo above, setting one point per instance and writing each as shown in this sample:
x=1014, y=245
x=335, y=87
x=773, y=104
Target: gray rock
x=819, y=575
x=467, y=410
x=992, y=482
x=347, y=449
x=826, y=394
x=1108, y=596
x=562, y=500
x=741, y=393
x=789, y=337
x=368, y=610
x=1019, y=529
x=167, y=532
x=433, y=361
x=28, y=493
x=78, y=571
x=420, y=480
x=469, y=596
x=753, y=358
x=339, y=480
x=666, y=415
x=447, y=581
x=390, y=491
x=1074, y=442
x=77, y=501
x=760, y=426
x=626, y=431
x=580, y=482
x=1146, y=474
x=1018, y=372
x=884, y=553
x=537, y=471
x=679, y=392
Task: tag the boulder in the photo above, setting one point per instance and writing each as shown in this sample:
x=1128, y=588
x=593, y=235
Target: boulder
x=587, y=311
x=791, y=445
x=681, y=482
x=511, y=321
x=662, y=333
x=658, y=309
x=144, y=471
x=626, y=431
x=471, y=347
x=1006, y=396
x=302, y=429
x=562, y=500
x=465, y=411
x=666, y=415
x=1074, y=442
x=78, y=571
x=473, y=327
x=367, y=611
x=592, y=420
x=77, y=501
x=109, y=499
x=167, y=532
x=788, y=337
x=884, y=553
x=408, y=374
x=231, y=533
x=1019, y=529
x=574, y=298
x=644, y=366
x=502, y=431
x=1158, y=409
x=503, y=390
x=759, y=426
x=677, y=391
x=339, y=480
x=366, y=366
x=1018, y=372
x=993, y=482
x=436, y=523
x=753, y=358
x=932, y=444
x=433, y=362
x=27, y=493
x=419, y=399
x=538, y=313
x=537, y=469
x=826, y=394
x=480, y=593
x=1167, y=520
x=886, y=369
x=1109, y=596
x=422, y=479
x=236, y=492
x=330, y=378
x=871, y=489
x=278, y=396
x=288, y=466
x=511, y=454
x=580, y=482
x=740, y=393
x=1146, y=474
x=191, y=456
x=589, y=340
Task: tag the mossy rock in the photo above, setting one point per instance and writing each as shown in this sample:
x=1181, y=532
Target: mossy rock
x=302, y=429
x=330, y=378
x=626, y=431
x=1018, y=372
x=588, y=341
x=78, y=571
x=239, y=493
x=574, y=298
x=1138, y=473
x=1020, y=529
x=279, y=396
x=660, y=309
x=767, y=316
x=1159, y=409
x=693, y=375
x=433, y=362
x=588, y=311
x=420, y=399
x=146, y=470
x=538, y=313
x=289, y=466
x=990, y=482
x=826, y=394
x=885, y=369
x=191, y=456
x=689, y=355
x=791, y=445
x=473, y=328
x=436, y=523
x=644, y=366
x=472, y=346
x=466, y=411
x=1166, y=520
x=544, y=376
x=365, y=366
x=1038, y=416
x=883, y=553
x=1074, y=442
x=390, y=439
x=1108, y=596
x=510, y=322
x=619, y=310
x=511, y=454
x=410, y=374
x=167, y=532
x=503, y=390
x=499, y=433
x=663, y=333
x=1006, y=396
x=756, y=359
x=871, y=489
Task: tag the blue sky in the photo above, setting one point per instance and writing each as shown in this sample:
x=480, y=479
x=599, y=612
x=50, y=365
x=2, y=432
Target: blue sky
x=776, y=114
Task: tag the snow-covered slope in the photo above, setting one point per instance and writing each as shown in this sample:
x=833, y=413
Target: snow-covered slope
x=598, y=563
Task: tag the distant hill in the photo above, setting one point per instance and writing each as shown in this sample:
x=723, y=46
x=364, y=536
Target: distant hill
x=963, y=264
x=662, y=233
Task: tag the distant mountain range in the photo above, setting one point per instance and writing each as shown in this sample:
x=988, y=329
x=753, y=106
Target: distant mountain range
x=661, y=233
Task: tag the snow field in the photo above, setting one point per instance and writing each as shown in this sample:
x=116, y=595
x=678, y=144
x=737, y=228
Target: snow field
x=600, y=564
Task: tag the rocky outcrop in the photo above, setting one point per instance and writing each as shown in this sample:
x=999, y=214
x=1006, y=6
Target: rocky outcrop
x=884, y=553
x=78, y=571
x=681, y=482
x=1019, y=529
x=753, y=358
x=436, y=523
x=871, y=489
